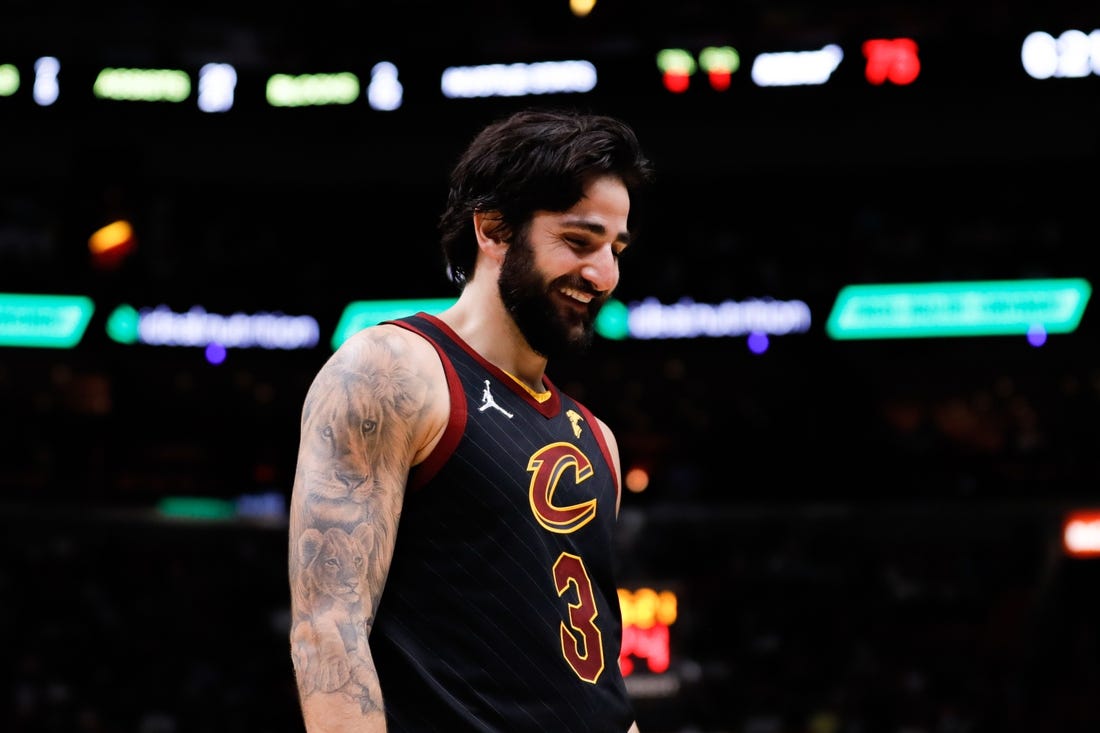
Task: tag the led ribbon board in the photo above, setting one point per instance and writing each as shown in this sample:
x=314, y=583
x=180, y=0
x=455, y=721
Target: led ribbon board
x=143, y=85
x=161, y=326
x=978, y=308
x=518, y=80
x=51, y=321
x=651, y=319
x=362, y=313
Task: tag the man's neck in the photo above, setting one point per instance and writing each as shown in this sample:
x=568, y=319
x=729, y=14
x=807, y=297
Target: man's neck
x=481, y=320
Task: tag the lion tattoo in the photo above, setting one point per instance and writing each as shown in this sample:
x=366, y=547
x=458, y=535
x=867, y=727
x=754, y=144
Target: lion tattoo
x=357, y=433
x=357, y=430
x=326, y=643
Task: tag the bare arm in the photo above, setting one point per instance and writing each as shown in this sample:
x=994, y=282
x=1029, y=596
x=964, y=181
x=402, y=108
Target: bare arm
x=363, y=423
x=613, y=448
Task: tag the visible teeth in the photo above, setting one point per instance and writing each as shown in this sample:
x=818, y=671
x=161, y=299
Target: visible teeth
x=577, y=295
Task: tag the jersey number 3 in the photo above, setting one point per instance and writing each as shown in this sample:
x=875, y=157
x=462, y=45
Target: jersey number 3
x=581, y=643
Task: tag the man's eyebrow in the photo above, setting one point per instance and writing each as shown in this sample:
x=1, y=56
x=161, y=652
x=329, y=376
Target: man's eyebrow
x=597, y=229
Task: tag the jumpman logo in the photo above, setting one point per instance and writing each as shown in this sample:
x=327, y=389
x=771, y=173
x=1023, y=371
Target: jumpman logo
x=487, y=401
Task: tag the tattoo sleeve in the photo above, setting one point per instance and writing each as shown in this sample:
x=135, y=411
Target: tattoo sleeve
x=359, y=424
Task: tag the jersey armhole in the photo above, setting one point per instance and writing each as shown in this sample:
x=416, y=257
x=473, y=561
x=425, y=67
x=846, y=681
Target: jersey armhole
x=597, y=430
x=423, y=472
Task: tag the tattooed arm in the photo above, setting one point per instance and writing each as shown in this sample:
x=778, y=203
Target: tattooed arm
x=374, y=410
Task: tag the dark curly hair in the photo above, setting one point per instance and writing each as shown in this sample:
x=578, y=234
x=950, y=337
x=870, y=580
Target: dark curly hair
x=533, y=160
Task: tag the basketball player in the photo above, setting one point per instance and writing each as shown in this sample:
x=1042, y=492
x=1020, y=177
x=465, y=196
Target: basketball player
x=452, y=513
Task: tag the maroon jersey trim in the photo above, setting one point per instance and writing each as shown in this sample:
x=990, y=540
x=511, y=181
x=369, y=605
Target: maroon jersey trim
x=602, y=440
x=424, y=471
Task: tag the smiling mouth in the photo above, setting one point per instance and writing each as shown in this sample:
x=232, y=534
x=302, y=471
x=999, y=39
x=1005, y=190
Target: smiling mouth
x=576, y=303
x=577, y=296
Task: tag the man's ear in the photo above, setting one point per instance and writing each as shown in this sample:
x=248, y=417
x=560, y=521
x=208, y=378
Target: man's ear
x=491, y=233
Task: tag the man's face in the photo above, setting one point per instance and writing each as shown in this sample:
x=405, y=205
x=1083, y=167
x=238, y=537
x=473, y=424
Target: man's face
x=559, y=272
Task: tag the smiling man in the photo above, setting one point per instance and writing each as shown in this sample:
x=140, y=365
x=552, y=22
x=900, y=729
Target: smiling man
x=451, y=528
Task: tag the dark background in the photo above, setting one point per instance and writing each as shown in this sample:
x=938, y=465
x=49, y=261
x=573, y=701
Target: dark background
x=864, y=536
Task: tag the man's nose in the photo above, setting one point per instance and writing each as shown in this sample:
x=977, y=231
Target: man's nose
x=601, y=269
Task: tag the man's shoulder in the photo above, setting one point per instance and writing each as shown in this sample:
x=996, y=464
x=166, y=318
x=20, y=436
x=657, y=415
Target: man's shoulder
x=390, y=365
x=385, y=353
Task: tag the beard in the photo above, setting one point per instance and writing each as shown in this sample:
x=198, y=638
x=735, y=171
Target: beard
x=550, y=328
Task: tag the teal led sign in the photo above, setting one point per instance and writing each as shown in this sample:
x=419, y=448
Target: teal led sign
x=196, y=507
x=44, y=321
x=360, y=314
x=977, y=308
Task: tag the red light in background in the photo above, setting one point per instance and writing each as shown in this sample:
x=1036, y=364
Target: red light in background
x=647, y=616
x=649, y=644
x=719, y=62
x=719, y=80
x=677, y=66
x=891, y=59
x=1081, y=534
x=676, y=82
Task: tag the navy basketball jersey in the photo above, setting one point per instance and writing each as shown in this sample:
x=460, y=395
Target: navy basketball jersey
x=500, y=611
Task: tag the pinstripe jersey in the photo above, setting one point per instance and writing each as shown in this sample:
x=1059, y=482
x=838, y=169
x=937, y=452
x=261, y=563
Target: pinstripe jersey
x=500, y=611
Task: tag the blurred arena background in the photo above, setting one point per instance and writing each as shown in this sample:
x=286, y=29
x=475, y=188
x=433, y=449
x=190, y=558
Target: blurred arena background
x=823, y=533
